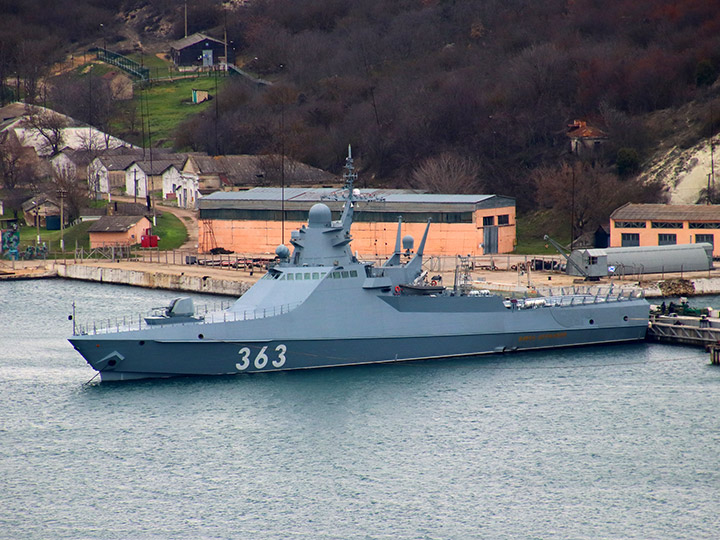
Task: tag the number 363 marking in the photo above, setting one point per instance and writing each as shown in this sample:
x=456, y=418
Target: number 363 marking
x=262, y=359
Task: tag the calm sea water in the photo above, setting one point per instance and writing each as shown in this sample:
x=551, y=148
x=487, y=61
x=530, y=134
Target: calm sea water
x=604, y=442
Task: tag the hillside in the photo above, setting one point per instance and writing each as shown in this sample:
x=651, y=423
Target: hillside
x=442, y=94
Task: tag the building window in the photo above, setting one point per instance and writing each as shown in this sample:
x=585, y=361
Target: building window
x=630, y=239
x=488, y=221
x=704, y=225
x=705, y=238
x=504, y=219
x=630, y=224
x=667, y=239
x=667, y=225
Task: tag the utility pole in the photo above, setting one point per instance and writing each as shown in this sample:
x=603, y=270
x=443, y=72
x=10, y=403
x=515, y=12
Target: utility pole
x=226, y=56
x=61, y=193
x=711, y=178
x=572, y=209
x=37, y=220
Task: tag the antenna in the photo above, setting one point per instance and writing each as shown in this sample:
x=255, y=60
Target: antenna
x=421, y=248
x=398, y=239
x=350, y=175
x=282, y=172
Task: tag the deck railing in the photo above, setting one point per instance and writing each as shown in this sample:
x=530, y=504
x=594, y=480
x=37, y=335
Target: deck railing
x=205, y=314
x=574, y=296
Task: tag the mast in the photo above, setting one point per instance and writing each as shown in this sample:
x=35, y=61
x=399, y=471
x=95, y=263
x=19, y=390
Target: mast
x=350, y=176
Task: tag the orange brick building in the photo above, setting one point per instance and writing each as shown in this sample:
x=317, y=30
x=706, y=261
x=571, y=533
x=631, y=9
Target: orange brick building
x=117, y=231
x=250, y=221
x=665, y=224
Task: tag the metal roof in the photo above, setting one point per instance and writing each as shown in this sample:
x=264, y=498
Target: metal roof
x=667, y=212
x=158, y=166
x=115, y=223
x=246, y=169
x=391, y=199
x=192, y=40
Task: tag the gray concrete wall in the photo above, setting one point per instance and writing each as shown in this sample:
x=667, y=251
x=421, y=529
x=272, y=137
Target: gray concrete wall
x=153, y=280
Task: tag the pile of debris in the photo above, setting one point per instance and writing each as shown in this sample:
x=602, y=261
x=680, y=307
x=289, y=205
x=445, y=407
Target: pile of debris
x=677, y=287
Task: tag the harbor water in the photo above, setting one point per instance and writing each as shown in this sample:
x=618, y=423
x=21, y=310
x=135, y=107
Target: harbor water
x=594, y=442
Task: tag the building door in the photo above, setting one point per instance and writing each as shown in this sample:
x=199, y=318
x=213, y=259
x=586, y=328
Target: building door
x=207, y=58
x=490, y=240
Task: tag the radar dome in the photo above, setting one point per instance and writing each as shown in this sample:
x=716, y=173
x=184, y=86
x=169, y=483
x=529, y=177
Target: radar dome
x=282, y=251
x=408, y=242
x=319, y=216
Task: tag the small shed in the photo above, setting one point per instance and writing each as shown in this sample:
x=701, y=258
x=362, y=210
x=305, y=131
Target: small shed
x=585, y=140
x=118, y=231
x=198, y=50
x=590, y=263
x=37, y=209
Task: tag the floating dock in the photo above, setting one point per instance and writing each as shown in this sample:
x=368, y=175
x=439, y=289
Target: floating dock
x=699, y=331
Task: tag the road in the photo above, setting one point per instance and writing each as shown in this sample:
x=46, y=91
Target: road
x=188, y=217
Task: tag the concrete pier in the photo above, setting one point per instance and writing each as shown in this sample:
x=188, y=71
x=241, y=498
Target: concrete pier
x=697, y=331
x=169, y=272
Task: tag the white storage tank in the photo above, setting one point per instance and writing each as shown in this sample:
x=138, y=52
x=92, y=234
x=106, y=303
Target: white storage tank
x=641, y=260
x=659, y=259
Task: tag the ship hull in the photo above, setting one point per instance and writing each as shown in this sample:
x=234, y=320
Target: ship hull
x=117, y=357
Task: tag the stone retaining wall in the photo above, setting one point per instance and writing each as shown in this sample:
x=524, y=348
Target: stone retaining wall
x=153, y=280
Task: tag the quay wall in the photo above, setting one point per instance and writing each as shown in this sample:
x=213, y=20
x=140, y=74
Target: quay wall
x=153, y=280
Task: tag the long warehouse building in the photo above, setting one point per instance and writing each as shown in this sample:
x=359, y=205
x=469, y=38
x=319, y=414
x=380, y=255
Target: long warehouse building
x=251, y=221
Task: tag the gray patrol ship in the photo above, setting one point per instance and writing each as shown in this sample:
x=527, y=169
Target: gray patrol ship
x=322, y=306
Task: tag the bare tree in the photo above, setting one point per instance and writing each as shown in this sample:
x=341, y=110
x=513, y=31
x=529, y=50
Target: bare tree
x=17, y=171
x=75, y=191
x=447, y=173
x=589, y=194
x=49, y=126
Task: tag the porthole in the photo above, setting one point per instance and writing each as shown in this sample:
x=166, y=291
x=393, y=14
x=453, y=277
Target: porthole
x=592, y=321
x=201, y=336
x=625, y=318
x=112, y=363
x=142, y=343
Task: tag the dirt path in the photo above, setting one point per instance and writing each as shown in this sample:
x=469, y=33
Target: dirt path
x=188, y=217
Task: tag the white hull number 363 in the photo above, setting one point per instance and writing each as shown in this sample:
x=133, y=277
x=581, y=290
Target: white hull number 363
x=262, y=359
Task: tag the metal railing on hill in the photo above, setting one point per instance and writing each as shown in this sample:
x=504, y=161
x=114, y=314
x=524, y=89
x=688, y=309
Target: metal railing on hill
x=123, y=62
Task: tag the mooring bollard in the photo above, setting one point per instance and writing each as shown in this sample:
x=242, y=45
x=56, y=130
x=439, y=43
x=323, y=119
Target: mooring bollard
x=715, y=355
